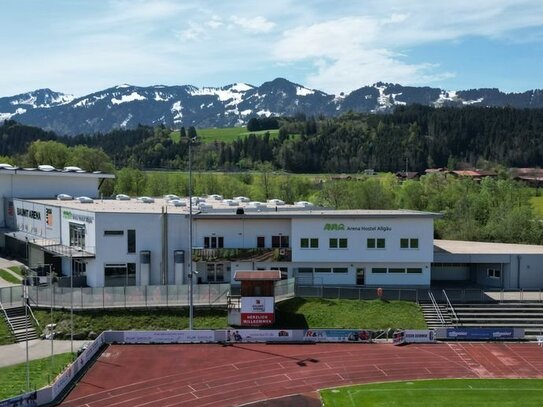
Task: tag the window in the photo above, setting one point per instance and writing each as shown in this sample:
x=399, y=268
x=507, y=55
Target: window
x=280, y=241
x=113, y=232
x=260, y=241
x=379, y=270
x=414, y=271
x=338, y=243
x=494, y=273
x=309, y=243
x=406, y=243
x=77, y=235
x=396, y=270
x=131, y=241
x=117, y=275
x=373, y=243
x=340, y=270
x=213, y=242
x=283, y=270
x=323, y=269
x=305, y=270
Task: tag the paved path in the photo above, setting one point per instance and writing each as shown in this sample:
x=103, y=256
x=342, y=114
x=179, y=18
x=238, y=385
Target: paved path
x=4, y=264
x=37, y=349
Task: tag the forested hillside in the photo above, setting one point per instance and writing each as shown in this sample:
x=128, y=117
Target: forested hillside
x=421, y=137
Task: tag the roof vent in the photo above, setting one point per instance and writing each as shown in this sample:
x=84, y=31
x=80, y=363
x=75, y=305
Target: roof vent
x=241, y=199
x=170, y=197
x=122, y=197
x=304, y=204
x=4, y=166
x=277, y=202
x=177, y=202
x=229, y=202
x=73, y=169
x=215, y=197
x=64, y=197
x=145, y=199
x=84, y=199
x=46, y=168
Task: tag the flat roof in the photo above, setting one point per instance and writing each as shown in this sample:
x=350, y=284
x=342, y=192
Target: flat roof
x=466, y=247
x=56, y=172
x=219, y=209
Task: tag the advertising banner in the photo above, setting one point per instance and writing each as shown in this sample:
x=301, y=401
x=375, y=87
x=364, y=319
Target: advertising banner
x=413, y=336
x=258, y=335
x=481, y=333
x=337, y=335
x=168, y=336
x=257, y=311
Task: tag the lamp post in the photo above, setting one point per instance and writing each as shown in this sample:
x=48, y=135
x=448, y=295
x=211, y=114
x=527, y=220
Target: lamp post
x=25, y=303
x=71, y=305
x=190, y=273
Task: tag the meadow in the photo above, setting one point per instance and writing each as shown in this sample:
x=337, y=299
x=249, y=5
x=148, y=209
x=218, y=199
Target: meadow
x=226, y=134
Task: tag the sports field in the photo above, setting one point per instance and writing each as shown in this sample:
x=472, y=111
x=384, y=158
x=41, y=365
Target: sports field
x=466, y=392
x=272, y=375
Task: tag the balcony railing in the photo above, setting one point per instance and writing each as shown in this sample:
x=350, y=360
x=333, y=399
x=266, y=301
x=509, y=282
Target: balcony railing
x=256, y=255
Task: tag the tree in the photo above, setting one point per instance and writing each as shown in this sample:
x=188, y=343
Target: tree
x=192, y=133
x=47, y=152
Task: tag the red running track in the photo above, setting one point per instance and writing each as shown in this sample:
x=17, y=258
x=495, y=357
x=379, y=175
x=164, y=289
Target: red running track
x=216, y=375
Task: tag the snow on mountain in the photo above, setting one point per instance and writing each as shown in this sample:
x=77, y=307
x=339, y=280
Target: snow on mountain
x=126, y=106
x=128, y=98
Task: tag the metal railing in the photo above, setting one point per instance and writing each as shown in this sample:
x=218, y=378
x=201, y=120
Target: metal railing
x=356, y=293
x=7, y=318
x=33, y=316
x=436, y=308
x=450, y=306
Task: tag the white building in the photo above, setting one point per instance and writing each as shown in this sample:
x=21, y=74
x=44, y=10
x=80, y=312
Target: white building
x=145, y=241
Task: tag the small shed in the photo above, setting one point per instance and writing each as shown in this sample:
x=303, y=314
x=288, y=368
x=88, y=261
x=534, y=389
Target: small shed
x=257, y=301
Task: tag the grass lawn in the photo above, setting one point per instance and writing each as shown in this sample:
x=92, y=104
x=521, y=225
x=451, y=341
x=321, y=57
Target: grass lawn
x=10, y=278
x=297, y=313
x=17, y=270
x=373, y=314
x=13, y=378
x=440, y=393
x=6, y=337
x=537, y=204
x=227, y=134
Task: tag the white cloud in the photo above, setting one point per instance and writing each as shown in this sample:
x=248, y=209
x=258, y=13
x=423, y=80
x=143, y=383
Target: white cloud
x=256, y=24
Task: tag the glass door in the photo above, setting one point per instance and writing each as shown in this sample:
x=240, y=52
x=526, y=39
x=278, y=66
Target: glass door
x=360, y=276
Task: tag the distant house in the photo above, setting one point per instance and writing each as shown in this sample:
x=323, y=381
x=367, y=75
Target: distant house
x=342, y=177
x=476, y=175
x=531, y=176
x=434, y=170
x=403, y=175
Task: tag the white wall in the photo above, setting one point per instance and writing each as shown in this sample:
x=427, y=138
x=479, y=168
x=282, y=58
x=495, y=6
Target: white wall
x=31, y=218
x=355, y=230
x=239, y=233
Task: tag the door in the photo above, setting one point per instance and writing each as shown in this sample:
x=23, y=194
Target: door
x=360, y=276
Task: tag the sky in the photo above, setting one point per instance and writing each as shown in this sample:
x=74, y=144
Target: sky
x=82, y=46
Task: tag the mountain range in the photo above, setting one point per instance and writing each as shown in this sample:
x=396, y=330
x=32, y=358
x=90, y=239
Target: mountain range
x=126, y=106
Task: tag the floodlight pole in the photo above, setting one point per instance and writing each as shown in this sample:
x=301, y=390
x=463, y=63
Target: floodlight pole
x=25, y=300
x=190, y=273
x=71, y=305
x=51, y=330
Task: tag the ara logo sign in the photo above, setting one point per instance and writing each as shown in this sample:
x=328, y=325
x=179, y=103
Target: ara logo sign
x=334, y=226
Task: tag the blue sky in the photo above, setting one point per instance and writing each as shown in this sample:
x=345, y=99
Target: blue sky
x=81, y=46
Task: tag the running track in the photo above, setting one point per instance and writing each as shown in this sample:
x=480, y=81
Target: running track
x=217, y=375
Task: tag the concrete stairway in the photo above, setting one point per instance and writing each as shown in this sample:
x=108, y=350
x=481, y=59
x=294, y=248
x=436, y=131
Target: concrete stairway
x=510, y=314
x=19, y=323
x=431, y=316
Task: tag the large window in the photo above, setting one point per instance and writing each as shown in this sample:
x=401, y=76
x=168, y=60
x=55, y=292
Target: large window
x=379, y=270
x=375, y=243
x=340, y=270
x=280, y=241
x=215, y=272
x=305, y=270
x=409, y=243
x=117, y=275
x=261, y=242
x=77, y=235
x=309, y=243
x=213, y=242
x=131, y=240
x=338, y=243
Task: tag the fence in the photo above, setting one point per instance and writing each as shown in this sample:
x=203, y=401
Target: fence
x=129, y=296
x=356, y=293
